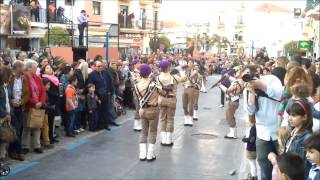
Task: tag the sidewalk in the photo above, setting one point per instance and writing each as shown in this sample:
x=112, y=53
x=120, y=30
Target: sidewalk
x=64, y=143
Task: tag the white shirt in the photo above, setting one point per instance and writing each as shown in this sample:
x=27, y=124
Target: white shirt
x=7, y=99
x=266, y=118
x=17, y=88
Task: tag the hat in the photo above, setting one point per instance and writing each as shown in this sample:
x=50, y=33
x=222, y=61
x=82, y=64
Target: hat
x=145, y=70
x=164, y=64
x=134, y=62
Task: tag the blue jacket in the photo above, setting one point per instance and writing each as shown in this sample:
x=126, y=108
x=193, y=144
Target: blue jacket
x=103, y=83
x=251, y=140
x=297, y=147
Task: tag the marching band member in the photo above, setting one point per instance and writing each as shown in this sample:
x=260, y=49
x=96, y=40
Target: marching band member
x=233, y=93
x=196, y=80
x=147, y=94
x=167, y=100
x=135, y=78
x=188, y=97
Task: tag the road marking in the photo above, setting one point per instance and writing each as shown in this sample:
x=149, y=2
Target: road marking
x=76, y=145
x=21, y=168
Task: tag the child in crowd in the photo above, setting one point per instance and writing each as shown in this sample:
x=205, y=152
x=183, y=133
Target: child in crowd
x=299, y=90
x=316, y=112
x=71, y=105
x=250, y=139
x=300, y=119
x=312, y=146
x=291, y=167
x=67, y=72
x=92, y=104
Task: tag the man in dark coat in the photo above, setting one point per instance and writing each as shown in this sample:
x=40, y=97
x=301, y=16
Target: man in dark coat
x=104, y=89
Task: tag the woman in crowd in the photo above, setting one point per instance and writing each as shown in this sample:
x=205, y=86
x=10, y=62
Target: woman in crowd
x=80, y=87
x=34, y=94
x=15, y=90
x=5, y=73
x=53, y=98
x=292, y=75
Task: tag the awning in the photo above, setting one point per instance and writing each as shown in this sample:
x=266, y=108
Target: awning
x=25, y=36
x=34, y=33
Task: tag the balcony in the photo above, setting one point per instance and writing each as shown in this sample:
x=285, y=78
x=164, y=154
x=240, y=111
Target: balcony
x=139, y=26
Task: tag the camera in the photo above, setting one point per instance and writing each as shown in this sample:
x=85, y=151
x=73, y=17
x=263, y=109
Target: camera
x=248, y=77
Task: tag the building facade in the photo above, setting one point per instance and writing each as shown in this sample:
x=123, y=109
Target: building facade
x=137, y=22
x=311, y=27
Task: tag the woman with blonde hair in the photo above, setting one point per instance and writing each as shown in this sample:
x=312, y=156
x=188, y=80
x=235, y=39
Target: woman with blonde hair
x=292, y=75
x=83, y=66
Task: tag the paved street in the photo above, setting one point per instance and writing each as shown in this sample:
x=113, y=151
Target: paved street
x=199, y=152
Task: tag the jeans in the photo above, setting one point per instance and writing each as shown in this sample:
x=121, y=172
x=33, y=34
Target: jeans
x=78, y=115
x=93, y=120
x=81, y=28
x=17, y=123
x=263, y=149
x=71, y=119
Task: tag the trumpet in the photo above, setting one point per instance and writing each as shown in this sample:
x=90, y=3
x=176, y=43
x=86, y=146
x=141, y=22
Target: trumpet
x=151, y=88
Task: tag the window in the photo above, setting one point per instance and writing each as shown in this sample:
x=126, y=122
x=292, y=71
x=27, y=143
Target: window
x=69, y=2
x=155, y=16
x=96, y=7
x=142, y=11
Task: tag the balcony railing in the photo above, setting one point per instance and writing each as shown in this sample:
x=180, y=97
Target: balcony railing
x=141, y=25
x=42, y=16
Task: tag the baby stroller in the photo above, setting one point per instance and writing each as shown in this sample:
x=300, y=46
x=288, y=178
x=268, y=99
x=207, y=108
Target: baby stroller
x=120, y=110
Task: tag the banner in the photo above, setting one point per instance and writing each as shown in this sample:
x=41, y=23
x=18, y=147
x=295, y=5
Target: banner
x=21, y=17
x=4, y=19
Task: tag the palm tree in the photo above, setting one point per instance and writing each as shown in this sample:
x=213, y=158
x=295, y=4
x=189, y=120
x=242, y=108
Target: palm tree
x=219, y=41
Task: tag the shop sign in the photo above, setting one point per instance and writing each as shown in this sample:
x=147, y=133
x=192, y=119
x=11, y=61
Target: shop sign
x=21, y=18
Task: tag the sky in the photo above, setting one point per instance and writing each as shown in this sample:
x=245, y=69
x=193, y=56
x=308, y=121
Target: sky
x=182, y=11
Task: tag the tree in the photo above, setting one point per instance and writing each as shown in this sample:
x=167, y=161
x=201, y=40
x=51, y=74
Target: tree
x=165, y=41
x=155, y=42
x=58, y=36
x=291, y=47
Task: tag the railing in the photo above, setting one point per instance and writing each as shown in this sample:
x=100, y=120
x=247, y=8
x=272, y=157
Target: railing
x=42, y=16
x=141, y=24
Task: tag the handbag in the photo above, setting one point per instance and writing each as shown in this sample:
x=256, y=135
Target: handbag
x=35, y=118
x=7, y=133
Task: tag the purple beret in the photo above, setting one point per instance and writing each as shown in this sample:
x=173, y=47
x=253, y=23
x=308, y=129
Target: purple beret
x=134, y=62
x=145, y=70
x=164, y=64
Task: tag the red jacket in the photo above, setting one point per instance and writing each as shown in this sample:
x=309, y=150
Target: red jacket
x=27, y=94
